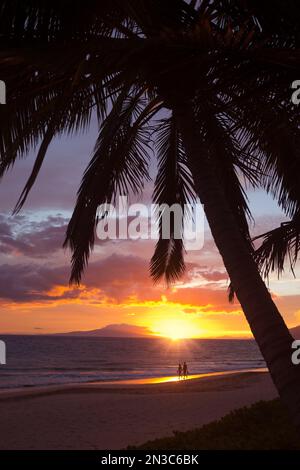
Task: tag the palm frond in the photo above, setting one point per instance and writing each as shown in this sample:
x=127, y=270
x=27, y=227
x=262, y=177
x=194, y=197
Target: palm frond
x=229, y=55
x=174, y=185
x=272, y=137
x=119, y=165
x=279, y=246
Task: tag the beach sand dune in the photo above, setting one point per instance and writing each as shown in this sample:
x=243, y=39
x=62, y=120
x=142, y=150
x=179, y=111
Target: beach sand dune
x=97, y=416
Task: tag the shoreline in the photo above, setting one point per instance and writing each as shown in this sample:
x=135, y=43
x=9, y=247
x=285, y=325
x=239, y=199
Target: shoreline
x=97, y=416
x=38, y=390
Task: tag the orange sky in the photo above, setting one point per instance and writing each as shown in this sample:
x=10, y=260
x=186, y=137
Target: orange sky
x=34, y=270
x=196, y=307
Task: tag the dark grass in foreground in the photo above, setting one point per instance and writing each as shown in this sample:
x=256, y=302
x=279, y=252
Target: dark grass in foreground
x=264, y=425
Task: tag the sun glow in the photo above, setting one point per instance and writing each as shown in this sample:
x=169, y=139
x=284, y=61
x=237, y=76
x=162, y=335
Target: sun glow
x=176, y=329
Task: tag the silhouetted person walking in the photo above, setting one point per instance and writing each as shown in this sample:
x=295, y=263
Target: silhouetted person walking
x=179, y=371
x=184, y=370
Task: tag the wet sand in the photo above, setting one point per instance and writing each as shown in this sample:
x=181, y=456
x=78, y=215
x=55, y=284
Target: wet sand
x=114, y=415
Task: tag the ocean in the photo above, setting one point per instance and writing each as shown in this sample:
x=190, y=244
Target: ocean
x=49, y=360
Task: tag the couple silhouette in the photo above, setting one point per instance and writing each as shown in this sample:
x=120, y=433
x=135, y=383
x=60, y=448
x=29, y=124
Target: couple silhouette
x=182, y=371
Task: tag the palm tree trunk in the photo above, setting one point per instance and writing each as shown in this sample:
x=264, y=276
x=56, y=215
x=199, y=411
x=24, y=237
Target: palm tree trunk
x=266, y=323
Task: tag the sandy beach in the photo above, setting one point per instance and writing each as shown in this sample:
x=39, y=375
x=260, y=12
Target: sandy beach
x=112, y=416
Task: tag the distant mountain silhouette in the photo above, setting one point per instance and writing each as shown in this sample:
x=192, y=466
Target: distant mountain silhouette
x=115, y=330
x=123, y=330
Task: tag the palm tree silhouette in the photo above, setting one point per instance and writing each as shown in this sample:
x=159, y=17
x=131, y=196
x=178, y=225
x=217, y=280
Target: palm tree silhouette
x=279, y=247
x=221, y=72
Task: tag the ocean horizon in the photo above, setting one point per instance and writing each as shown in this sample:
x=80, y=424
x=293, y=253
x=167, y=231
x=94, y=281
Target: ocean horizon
x=42, y=360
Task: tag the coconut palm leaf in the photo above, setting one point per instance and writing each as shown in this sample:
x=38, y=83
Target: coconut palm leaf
x=209, y=52
x=119, y=164
x=272, y=135
x=211, y=63
x=279, y=247
x=173, y=186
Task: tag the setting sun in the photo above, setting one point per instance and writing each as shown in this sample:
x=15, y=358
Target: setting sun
x=177, y=329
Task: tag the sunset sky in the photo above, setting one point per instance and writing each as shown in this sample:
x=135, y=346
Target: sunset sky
x=34, y=272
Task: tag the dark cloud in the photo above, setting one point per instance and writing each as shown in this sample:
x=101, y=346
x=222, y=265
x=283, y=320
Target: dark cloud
x=21, y=236
x=117, y=278
x=114, y=278
x=28, y=282
x=122, y=277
